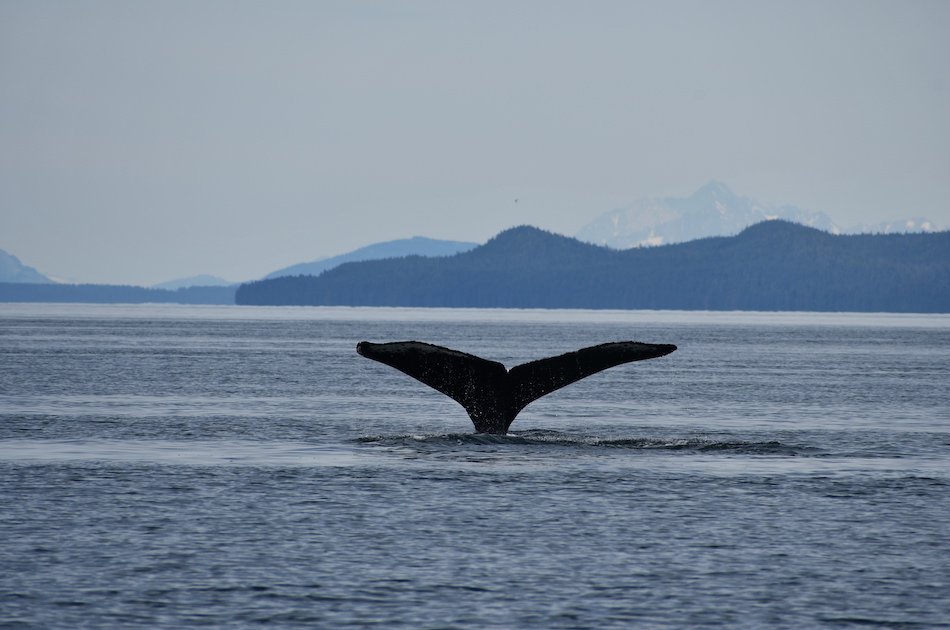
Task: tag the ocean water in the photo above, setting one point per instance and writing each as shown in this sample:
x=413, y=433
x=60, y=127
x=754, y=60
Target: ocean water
x=167, y=466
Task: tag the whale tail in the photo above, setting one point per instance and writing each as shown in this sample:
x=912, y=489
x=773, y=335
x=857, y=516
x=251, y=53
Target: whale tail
x=491, y=394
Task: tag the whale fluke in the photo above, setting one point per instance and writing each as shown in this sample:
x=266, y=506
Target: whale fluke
x=491, y=394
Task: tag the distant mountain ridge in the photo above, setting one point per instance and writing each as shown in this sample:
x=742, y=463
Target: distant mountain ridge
x=415, y=246
x=772, y=265
x=713, y=210
x=904, y=226
x=206, y=289
x=12, y=270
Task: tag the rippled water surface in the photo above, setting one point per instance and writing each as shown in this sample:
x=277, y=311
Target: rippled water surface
x=165, y=466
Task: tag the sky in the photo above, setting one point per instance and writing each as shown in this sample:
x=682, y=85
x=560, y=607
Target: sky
x=146, y=141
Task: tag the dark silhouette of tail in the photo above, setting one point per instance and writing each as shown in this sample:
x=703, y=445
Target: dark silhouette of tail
x=491, y=394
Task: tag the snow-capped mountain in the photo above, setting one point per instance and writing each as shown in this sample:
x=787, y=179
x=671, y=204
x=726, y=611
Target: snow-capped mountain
x=914, y=224
x=713, y=210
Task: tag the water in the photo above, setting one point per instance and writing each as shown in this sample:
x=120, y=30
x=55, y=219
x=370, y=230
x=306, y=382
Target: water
x=165, y=466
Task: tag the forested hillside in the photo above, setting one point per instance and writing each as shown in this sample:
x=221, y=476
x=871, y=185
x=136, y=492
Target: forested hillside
x=774, y=265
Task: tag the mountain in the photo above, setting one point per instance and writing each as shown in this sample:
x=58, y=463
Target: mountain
x=915, y=224
x=713, y=210
x=772, y=265
x=12, y=270
x=203, y=280
x=415, y=246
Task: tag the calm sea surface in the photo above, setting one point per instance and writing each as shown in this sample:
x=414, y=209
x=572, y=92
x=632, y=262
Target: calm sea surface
x=167, y=466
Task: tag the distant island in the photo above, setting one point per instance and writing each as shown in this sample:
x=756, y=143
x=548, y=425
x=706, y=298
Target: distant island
x=773, y=265
x=201, y=280
x=113, y=294
x=20, y=283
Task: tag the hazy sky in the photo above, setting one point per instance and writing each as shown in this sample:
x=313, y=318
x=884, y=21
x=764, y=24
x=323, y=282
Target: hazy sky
x=143, y=141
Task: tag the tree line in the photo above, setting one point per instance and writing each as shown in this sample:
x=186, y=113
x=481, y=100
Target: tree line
x=774, y=265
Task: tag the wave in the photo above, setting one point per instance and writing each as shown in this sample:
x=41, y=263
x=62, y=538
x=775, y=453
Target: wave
x=546, y=438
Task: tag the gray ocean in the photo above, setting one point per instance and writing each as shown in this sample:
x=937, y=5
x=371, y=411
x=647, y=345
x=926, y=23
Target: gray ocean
x=172, y=466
